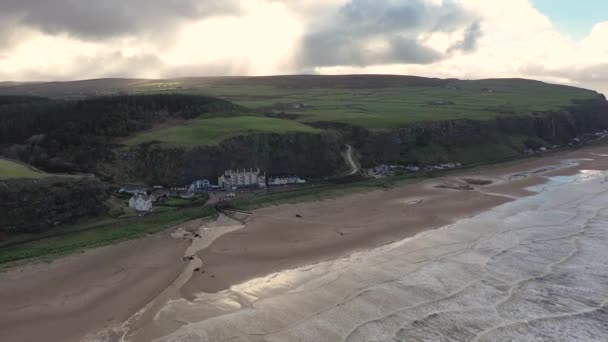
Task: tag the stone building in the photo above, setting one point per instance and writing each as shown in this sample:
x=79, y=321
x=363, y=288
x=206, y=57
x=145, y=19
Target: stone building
x=242, y=179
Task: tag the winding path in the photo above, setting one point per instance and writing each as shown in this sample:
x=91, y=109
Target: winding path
x=351, y=161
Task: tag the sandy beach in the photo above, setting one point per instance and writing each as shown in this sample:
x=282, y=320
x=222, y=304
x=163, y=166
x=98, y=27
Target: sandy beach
x=147, y=289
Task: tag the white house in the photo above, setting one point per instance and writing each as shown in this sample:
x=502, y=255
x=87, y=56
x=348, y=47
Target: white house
x=141, y=203
x=275, y=181
x=200, y=185
x=237, y=179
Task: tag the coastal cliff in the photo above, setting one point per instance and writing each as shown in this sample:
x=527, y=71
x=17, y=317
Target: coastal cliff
x=472, y=141
x=307, y=155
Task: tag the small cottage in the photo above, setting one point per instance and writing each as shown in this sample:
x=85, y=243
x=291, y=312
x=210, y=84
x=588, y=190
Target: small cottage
x=276, y=181
x=142, y=203
x=200, y=185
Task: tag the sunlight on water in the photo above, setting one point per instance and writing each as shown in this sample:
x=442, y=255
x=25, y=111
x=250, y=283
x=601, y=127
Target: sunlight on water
x=532, y=269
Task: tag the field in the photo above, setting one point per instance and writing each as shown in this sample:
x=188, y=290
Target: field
x=389, y=108
x=201, y=132
x=377, y=102
x=13, y=170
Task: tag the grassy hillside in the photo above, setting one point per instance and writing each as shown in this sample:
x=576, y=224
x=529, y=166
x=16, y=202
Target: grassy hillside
x=388, y=108
x=205, y=132
x=377, y=102
x=13, y=170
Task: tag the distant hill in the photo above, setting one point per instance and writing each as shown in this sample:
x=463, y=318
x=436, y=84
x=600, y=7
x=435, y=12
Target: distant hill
x=113, y=86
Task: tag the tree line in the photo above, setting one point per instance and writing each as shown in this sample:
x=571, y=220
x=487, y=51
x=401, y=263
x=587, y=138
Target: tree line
x=60, y=135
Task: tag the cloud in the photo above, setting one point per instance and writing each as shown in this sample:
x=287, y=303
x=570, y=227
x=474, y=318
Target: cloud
x=109, y=18
x=72, y=39
x=469, y=42
x=370, y=32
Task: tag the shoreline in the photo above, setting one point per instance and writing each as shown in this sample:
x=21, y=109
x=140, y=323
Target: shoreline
x=147, y=273
x=295, y=235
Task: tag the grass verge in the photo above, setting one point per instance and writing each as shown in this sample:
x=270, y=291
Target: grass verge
x=89, y=234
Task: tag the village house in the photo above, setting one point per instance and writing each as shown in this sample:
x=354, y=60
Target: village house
x=200, y=185
x=276, y=181
x=242, y=179
x=141, y=203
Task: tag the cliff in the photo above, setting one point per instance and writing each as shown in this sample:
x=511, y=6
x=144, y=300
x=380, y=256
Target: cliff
x=307, y=155
x=471, y=141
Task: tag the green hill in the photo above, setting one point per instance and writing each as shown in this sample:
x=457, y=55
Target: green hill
x=204, y=132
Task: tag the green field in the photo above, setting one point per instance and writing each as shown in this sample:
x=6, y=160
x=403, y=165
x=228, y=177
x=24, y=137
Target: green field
x=389, y=108
x=205, y=132
x=13, y=170
x=377, y=102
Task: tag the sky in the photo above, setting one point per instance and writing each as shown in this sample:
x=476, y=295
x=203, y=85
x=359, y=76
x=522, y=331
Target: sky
x=560, y=41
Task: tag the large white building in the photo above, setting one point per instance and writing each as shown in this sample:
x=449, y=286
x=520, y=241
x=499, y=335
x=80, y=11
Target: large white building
x=242, y=179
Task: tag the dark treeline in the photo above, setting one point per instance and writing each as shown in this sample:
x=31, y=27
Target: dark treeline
x=64, y=136
x=24, y=117
x=17, y=99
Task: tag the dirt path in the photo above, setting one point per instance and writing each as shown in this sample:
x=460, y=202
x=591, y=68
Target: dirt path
x=351, y=161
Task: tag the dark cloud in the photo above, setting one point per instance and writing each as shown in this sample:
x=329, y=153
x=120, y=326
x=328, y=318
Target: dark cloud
x=346, y=38
x=469, y=42
x=108, y=18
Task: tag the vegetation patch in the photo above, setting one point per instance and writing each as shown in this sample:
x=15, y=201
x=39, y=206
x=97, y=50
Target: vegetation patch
x=100, y=232
x=13, y=170
x=205, y=132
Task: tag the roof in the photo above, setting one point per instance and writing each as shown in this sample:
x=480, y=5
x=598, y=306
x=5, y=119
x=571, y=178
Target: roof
x=145, y=197
x=133, y=187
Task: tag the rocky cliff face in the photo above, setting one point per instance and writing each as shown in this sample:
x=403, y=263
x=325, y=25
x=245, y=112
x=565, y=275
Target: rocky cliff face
x=37, y=205
x=501, y=137
x=313, y=155
x=307, y=155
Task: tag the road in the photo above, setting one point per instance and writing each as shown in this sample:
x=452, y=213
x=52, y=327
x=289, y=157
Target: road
x=351, y=161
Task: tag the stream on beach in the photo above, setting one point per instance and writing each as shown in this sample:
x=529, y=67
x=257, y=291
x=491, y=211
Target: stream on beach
x=532, y=269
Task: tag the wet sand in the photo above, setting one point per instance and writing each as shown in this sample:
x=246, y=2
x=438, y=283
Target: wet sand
x=81, y=294
x=67, y=298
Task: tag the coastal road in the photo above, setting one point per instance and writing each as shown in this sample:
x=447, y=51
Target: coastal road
x=351, y=161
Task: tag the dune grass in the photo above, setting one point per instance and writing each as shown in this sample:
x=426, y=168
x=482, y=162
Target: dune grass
x=205, y=132
x=13, y=170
